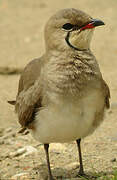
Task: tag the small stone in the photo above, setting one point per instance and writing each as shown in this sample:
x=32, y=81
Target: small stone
x=8, y=130
x=73, y=165
x=9, y=135
x=113, y=160
x=19, y=152
x=5, y=155
x=20, y=176
x=5, y=137
x=29, y=150
x=23, y=151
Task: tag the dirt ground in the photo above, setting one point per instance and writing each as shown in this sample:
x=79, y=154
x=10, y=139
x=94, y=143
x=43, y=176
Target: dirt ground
x=21, y=39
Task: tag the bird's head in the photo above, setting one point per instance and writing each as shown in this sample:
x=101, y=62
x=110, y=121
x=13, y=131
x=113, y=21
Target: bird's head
x=70, y=28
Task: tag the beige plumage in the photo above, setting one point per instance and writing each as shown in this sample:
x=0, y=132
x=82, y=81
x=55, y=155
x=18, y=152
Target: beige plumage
x=62, y=95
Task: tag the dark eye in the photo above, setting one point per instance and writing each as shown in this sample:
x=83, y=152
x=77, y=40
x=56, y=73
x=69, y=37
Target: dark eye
x=68, y=26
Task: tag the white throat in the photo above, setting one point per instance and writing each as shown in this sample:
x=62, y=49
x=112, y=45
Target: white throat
x=81, y=40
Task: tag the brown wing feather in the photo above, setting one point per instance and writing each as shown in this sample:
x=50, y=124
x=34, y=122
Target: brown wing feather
x=107, y=94
x=28, y=97
x=12, y=102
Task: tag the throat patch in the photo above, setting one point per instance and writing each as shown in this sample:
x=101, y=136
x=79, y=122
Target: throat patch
x=69, y=44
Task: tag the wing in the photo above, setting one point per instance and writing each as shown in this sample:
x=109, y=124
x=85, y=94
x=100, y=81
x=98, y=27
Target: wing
x=12, y=102
x=107, y=94
x=29, y=93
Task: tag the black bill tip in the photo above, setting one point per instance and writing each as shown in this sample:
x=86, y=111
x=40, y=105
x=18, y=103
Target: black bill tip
x=97, y=22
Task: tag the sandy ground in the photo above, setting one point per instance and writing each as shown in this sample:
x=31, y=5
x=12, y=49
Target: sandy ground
x=21, y=39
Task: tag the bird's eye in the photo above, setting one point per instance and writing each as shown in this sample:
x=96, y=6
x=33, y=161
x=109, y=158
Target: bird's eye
x=68, y=26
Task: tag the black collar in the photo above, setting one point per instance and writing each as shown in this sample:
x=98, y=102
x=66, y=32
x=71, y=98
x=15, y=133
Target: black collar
x=67, y=40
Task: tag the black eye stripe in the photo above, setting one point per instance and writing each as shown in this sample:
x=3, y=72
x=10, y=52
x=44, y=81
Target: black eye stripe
x=67, y=26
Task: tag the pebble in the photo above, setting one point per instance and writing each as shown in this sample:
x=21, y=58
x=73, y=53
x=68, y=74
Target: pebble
x=8, y=130
x=24, y=151
x=8, y=135
x=20, y=176
x=5, y=137
x=19, y=152
x=5, y=155
x=29, y=150
x=73, y=165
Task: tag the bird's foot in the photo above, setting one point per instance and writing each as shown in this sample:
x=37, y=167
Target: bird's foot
x=86, y=176
x=51, y=178
x=82, y=174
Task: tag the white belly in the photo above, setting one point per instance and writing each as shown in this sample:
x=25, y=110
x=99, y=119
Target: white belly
x=67, y=121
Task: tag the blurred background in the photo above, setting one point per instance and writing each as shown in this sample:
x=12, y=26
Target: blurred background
x=21, y=40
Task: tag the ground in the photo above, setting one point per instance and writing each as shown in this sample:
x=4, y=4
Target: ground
x=21, y=39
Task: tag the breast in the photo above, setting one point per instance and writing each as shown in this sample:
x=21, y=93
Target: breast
x=69, y=119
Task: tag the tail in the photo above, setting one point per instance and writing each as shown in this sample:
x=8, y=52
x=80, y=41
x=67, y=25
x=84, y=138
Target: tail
x=12, y=102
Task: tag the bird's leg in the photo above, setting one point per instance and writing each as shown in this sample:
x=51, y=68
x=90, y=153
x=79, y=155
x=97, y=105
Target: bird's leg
x=81, y=171
x=46, y=147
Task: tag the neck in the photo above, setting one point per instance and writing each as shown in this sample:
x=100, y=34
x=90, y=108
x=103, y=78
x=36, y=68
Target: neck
x=70, y=71
x=79, y=40
x=70, y=45
x=69, y=53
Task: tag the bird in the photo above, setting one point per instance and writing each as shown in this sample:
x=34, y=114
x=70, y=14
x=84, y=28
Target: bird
x=62, y=96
